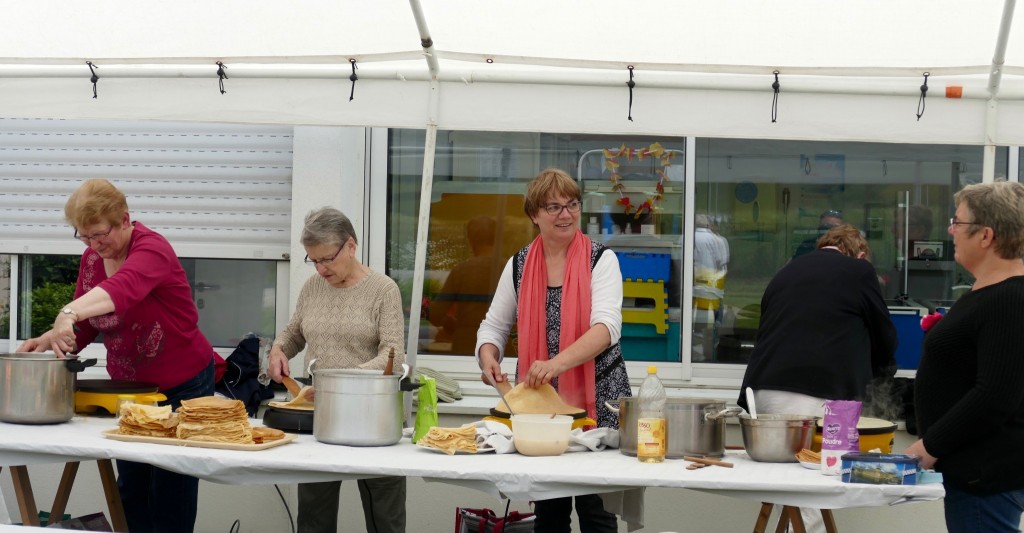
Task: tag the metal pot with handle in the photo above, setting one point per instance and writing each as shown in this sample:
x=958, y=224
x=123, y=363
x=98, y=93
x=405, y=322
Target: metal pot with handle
x=38, y=388
x=695, y=426
x=357, y=407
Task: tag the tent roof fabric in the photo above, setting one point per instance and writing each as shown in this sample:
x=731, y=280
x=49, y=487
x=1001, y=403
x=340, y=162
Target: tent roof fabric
x=849, y=70
x=867, y=37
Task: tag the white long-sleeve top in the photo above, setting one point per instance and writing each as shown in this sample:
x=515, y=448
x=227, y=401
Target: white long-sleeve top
x=606, y=304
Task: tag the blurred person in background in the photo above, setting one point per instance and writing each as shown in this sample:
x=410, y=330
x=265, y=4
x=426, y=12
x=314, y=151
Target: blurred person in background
x=710, y=267
x=462, y=303
x=908, y=227
x=828, y=219
x=969, y=391
x=564, y=293
x=346, y=316
x=132, y=288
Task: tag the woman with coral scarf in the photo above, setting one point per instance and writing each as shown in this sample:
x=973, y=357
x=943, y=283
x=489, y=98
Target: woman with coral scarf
x=564, y=293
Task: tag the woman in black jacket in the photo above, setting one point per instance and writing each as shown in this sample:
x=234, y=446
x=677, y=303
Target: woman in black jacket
x=825, y=331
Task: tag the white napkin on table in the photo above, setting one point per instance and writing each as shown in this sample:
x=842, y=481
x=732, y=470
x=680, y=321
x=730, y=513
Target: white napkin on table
x=594, y=440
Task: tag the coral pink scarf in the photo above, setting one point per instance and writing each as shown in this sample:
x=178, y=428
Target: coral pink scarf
x=576, y=385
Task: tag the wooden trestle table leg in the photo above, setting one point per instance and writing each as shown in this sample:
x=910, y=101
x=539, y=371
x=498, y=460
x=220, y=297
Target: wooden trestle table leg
x=791, y=515
x=26, y=500
x=60, y=500
x=110, y=491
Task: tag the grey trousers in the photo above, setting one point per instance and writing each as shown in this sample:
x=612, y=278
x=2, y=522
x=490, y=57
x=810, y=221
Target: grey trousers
x=383, y=505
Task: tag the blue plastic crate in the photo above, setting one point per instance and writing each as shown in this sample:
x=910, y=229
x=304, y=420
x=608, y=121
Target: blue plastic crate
x=644, y=266
x=641, y=342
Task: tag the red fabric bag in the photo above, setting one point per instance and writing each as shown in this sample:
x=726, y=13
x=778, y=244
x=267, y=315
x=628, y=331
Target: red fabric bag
x=485, y=521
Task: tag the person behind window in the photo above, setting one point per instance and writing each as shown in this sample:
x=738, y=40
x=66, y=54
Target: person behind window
x=346, y=316
x=462, y=303
x=828, y=219
x=710, y=266
x=918, y=228
x=968, y=394
x=564, y=292
x=132, y=289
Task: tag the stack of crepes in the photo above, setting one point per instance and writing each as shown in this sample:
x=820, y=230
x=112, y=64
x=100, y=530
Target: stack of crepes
x=451, y=440
x=147, y=421
x=214, y=419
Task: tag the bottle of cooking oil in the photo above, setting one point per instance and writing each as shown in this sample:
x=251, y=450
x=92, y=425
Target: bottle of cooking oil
x=650, y=431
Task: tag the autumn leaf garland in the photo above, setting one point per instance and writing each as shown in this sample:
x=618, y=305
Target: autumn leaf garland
x=612, y=164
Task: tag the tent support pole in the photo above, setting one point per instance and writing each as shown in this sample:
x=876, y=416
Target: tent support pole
x=426, y=187
x=995, y=78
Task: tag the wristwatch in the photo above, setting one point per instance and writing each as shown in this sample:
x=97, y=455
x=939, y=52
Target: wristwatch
x=69, y=311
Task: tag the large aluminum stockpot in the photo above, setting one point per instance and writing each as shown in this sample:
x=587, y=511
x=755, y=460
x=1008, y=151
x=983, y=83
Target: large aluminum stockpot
x=776, y=438
x=38, y=388
x=695, y=426
x=357, y=407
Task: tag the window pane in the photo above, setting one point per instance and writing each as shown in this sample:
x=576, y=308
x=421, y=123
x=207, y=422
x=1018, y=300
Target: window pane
x=46, y=285
x=233, y=297
x=772, y=199
x=477, y=223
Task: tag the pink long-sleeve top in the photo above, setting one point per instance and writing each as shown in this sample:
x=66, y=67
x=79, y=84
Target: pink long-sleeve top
x=153, y=333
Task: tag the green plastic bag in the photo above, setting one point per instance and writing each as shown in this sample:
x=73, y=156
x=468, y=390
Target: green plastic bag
x=426, y=407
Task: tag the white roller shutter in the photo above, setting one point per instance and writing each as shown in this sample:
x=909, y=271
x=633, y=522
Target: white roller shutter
x=214, y=190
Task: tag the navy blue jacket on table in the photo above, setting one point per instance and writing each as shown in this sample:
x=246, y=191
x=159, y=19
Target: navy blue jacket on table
x=825, y=330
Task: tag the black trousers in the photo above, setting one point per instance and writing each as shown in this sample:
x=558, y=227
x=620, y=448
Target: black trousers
x=383, y=501
x=555, y=515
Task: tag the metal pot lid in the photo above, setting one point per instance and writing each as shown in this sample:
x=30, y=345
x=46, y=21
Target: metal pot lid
x=116, y=386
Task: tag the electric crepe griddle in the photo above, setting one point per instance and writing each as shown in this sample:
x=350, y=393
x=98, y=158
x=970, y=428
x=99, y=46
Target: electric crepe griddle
x=94, y=394
x=288, y=419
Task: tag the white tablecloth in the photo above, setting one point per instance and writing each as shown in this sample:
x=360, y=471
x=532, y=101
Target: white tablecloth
x=510, y=475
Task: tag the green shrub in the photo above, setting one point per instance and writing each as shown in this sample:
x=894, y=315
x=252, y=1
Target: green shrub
x=47, y=300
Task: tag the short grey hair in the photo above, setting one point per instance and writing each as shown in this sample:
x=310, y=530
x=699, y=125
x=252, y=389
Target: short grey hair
x=1000, y=206
x=327, y=225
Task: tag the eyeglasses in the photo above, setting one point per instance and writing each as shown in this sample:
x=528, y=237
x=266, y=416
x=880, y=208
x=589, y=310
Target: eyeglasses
x=556, y=209
x=94, y=237
x=954, y=222
x=324, y=262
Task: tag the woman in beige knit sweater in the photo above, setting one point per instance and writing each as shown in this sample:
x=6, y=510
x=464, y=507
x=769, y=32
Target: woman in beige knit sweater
x=347, y=316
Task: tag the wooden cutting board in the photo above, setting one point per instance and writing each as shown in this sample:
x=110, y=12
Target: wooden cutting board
x=115, y=435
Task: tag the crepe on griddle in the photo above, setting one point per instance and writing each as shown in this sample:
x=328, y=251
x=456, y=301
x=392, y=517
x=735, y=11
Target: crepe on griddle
x=301, y=401
x=214, y=419
x=147, y=420
x=451, y=440
x=543, y=400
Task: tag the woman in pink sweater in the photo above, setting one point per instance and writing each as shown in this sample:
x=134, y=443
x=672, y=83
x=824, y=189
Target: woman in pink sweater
x=132, y=289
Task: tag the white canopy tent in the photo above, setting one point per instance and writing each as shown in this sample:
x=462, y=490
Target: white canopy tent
x=848, y=71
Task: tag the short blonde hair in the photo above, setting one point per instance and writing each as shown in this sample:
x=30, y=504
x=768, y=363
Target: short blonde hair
x=1000, y=206
x=95, y=201
x=550, y=182
x=847, y=238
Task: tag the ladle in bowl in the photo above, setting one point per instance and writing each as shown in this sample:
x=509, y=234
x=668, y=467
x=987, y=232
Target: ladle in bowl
x=750, y=403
